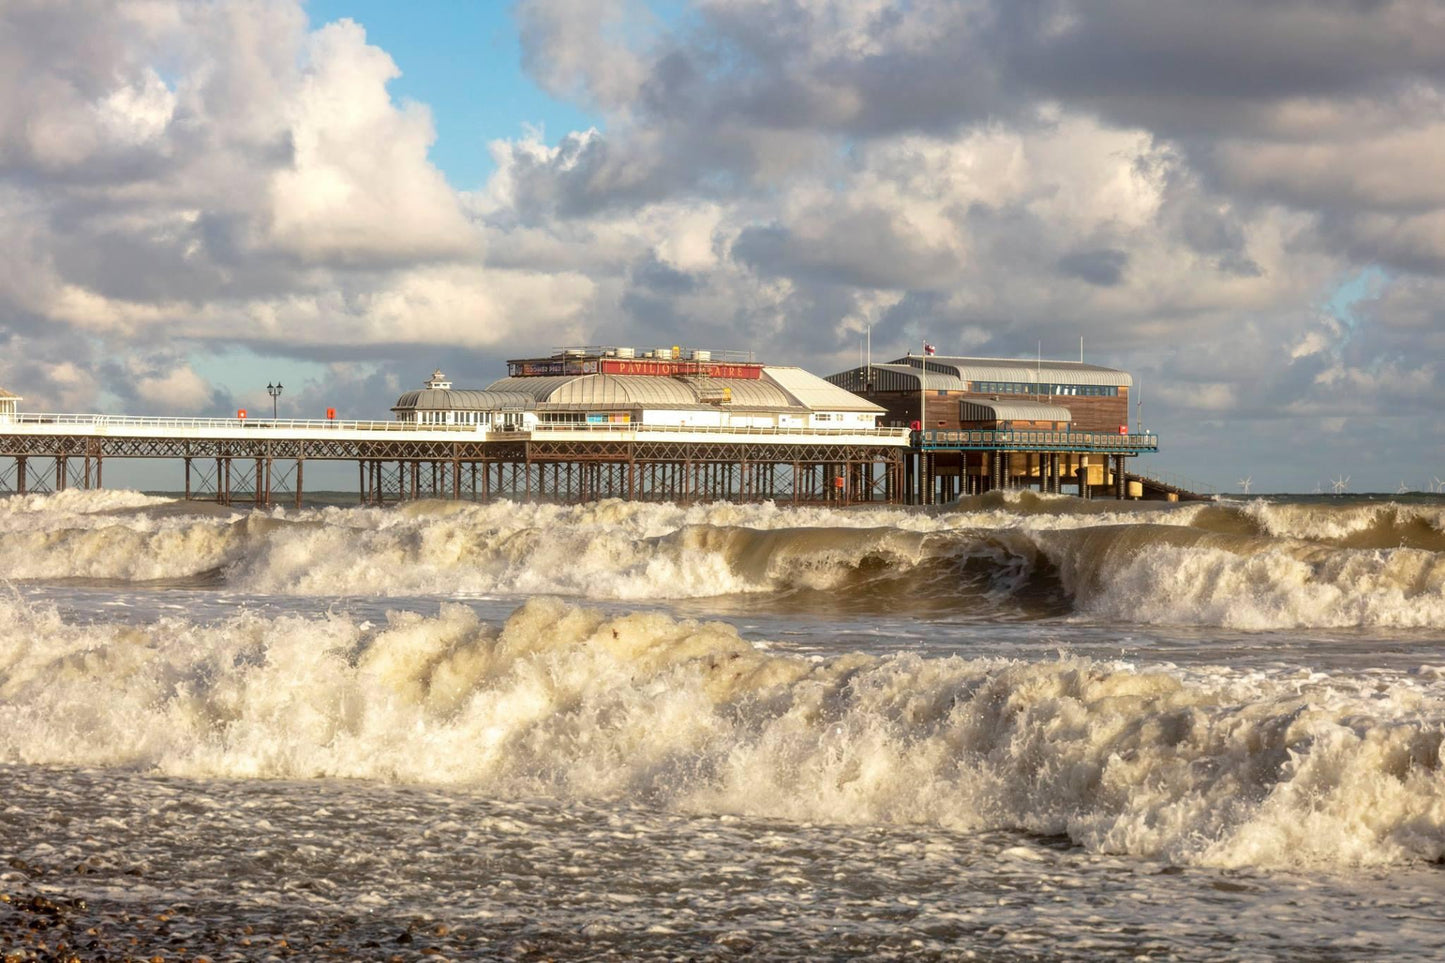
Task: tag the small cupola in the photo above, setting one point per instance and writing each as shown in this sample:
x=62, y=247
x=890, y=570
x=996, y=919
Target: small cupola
x=438, y=381
x=7, y=403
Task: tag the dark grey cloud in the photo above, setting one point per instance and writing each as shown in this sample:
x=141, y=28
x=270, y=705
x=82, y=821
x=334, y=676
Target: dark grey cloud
x=1102, y=266
x=1228, y=82
x=867, y=248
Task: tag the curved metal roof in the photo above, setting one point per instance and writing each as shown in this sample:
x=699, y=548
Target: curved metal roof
x=901, y=377
x=972, y=410
x=647, y=391
x=1021, y=370
x=463, y=399
x=814, y=393
x=780, y=389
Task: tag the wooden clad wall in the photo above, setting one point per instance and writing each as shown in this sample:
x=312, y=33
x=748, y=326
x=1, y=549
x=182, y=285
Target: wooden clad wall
x=1089, y=413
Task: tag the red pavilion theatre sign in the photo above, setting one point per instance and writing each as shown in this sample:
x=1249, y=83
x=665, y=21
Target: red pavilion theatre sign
x=639, y=366
x=708, y=369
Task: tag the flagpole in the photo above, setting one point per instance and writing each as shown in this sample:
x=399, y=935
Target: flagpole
x=922, y=396
x=922, y=423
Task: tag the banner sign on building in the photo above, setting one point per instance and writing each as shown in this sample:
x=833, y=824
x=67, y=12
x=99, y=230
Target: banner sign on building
x=745, y=372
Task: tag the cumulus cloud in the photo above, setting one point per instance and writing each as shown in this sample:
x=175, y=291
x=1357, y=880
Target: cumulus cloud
x=359, y=187
x=222, y=172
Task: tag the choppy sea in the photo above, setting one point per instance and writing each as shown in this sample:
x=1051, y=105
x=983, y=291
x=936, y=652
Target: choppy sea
x=1014, y=728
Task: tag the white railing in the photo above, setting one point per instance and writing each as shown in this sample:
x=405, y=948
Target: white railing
x=146, y=421
x=260, y=425
x=719, y=429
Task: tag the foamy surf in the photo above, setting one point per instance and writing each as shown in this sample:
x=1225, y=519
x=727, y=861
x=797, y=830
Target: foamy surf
x=1210, y=767
x=1240, y=567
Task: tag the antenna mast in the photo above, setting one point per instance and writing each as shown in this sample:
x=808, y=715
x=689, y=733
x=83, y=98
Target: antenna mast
x=868, y=376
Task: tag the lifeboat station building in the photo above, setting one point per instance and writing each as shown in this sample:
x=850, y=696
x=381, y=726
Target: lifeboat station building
x=988, y=423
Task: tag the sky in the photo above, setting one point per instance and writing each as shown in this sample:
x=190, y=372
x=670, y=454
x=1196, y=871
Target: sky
x=1242, y=203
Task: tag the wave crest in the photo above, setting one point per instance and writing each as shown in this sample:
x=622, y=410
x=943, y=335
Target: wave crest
x=1212, y=767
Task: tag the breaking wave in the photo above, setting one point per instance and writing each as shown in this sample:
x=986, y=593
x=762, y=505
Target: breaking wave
x=1252, y=566
x=1216, y=766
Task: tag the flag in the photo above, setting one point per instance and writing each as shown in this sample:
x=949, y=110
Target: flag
x=928, y=349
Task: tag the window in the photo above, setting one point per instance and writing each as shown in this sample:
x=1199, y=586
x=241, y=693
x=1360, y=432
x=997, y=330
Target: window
x=1030, y=388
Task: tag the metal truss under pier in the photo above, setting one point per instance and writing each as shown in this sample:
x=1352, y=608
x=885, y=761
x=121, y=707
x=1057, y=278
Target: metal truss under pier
x=264, y=463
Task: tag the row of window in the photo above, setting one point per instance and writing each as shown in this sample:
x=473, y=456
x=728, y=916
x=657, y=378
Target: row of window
x=460, y=417
x=1025, y=388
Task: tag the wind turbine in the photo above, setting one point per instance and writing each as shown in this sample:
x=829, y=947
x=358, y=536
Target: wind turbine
x=1438, y=485
x=1404, y=489
x=1340, y=484
x=1245, y=482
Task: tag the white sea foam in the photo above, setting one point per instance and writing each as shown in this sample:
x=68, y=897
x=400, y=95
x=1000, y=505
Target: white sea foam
x=1343, y=521
x=74, y=502
x=1141, y=566
x=1211, y=766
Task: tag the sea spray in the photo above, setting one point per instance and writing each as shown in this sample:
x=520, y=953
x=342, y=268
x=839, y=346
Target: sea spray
x=1207, y=766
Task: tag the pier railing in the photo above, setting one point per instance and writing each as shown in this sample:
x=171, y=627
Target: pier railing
x=145, y=421
x=1028, y=439
x=616, y=428
x=72, y=423
x=1173, y=480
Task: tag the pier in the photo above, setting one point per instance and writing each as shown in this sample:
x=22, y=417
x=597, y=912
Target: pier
x=666, y=424
x=263, y=462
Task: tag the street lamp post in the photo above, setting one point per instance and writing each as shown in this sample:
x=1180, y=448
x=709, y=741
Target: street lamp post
x=275, y=392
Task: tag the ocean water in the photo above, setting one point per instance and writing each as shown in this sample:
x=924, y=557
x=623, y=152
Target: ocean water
x=1013, y=728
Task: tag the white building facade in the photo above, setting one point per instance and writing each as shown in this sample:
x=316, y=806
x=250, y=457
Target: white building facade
x=616, y=388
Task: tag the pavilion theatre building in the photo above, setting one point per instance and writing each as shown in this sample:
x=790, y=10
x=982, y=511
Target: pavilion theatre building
x=667, y=423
